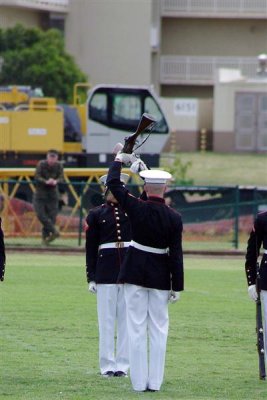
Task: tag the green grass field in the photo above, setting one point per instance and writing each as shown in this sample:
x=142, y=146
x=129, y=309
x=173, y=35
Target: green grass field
x=49, y=335
x=223, y=169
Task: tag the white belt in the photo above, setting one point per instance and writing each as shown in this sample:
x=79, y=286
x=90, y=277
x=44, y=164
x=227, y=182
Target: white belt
x=148, y=248
x=114, y=245
x=264, y=251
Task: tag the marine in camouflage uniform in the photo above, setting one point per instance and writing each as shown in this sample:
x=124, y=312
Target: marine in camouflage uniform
x=48, y=174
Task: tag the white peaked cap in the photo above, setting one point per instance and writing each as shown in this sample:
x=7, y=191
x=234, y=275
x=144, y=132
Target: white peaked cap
x=155, y=176
x=124, y=178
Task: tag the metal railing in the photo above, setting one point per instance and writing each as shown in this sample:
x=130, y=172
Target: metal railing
x=46, y=5
x=216, y=220
x=17, y=186
x=214, y=8
x=202, y=70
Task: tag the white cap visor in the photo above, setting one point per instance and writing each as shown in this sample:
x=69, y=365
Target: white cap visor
x=155, y=176
x=124, y=178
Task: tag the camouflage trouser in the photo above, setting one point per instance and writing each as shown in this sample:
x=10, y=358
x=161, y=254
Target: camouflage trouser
x=46, y=210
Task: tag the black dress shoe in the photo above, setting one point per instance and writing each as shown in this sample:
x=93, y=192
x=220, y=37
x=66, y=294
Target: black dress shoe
x=120, y=374
x=108, y=374
x=151, y=390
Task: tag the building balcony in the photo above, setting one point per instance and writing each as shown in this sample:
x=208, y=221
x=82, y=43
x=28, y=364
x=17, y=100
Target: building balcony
x=188, y=70
x=61, y=6
x=214, y=8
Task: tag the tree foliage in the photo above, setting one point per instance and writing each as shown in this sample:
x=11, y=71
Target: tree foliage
x=38, y=59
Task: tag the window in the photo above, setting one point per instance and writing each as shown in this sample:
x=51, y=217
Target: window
x=126, y=110
x=122, y=108
x=152, y=108
x=98, y=108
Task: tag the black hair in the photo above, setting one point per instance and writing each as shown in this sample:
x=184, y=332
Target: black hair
x=53, y=152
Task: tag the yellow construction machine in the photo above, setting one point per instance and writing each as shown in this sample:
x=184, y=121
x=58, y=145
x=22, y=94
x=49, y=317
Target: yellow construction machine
x=84, y=132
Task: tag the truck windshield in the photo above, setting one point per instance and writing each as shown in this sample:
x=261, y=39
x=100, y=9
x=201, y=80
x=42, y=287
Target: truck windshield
x=122, y=108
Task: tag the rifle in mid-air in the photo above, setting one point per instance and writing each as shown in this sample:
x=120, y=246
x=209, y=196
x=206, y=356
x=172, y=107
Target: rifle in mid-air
x=259, y=328
x=145, y=124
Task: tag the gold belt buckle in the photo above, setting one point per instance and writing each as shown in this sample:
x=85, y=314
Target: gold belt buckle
x=119, y=245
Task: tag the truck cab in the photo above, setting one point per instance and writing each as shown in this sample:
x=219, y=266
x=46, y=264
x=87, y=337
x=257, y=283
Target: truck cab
x=113, y=112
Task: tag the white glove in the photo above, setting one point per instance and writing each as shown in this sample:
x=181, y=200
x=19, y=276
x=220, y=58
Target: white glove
x=174, y=296
x=92, y=287
x=252, y=292
x=125, y=158
x=138, y=166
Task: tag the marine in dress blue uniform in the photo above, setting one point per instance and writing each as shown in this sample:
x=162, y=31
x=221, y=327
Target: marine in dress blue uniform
x=257, y=241
x=108, y=235
x=152, y=272
x=2, y=253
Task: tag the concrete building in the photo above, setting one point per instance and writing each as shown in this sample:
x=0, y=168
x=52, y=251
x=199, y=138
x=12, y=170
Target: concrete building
x=111, y=39
x=34, y=13
x=176, y=45
x=240, y=112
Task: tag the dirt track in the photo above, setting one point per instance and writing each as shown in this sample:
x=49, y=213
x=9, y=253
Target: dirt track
x=75, y=251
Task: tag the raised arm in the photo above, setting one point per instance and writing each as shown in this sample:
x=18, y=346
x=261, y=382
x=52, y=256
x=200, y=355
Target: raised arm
x=118, y=189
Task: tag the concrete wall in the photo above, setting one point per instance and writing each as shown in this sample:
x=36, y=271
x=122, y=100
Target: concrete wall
x=205, y=115
x=156, y=43
x=111, y=39
x=10, y=16
x=213, y=37
x=202, y=92
x=186, y=121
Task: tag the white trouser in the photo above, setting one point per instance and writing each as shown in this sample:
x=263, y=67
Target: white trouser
x=264, y=302
x=111, y=312
x=147, y=317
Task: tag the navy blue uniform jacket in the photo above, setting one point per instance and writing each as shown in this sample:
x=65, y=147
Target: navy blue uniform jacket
x=257, y=238
x=105, y=224
x=2, y=253
x=153, y=224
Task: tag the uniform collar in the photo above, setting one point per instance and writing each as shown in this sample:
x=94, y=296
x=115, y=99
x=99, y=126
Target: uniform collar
x=111, y=204
x=156, y=199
